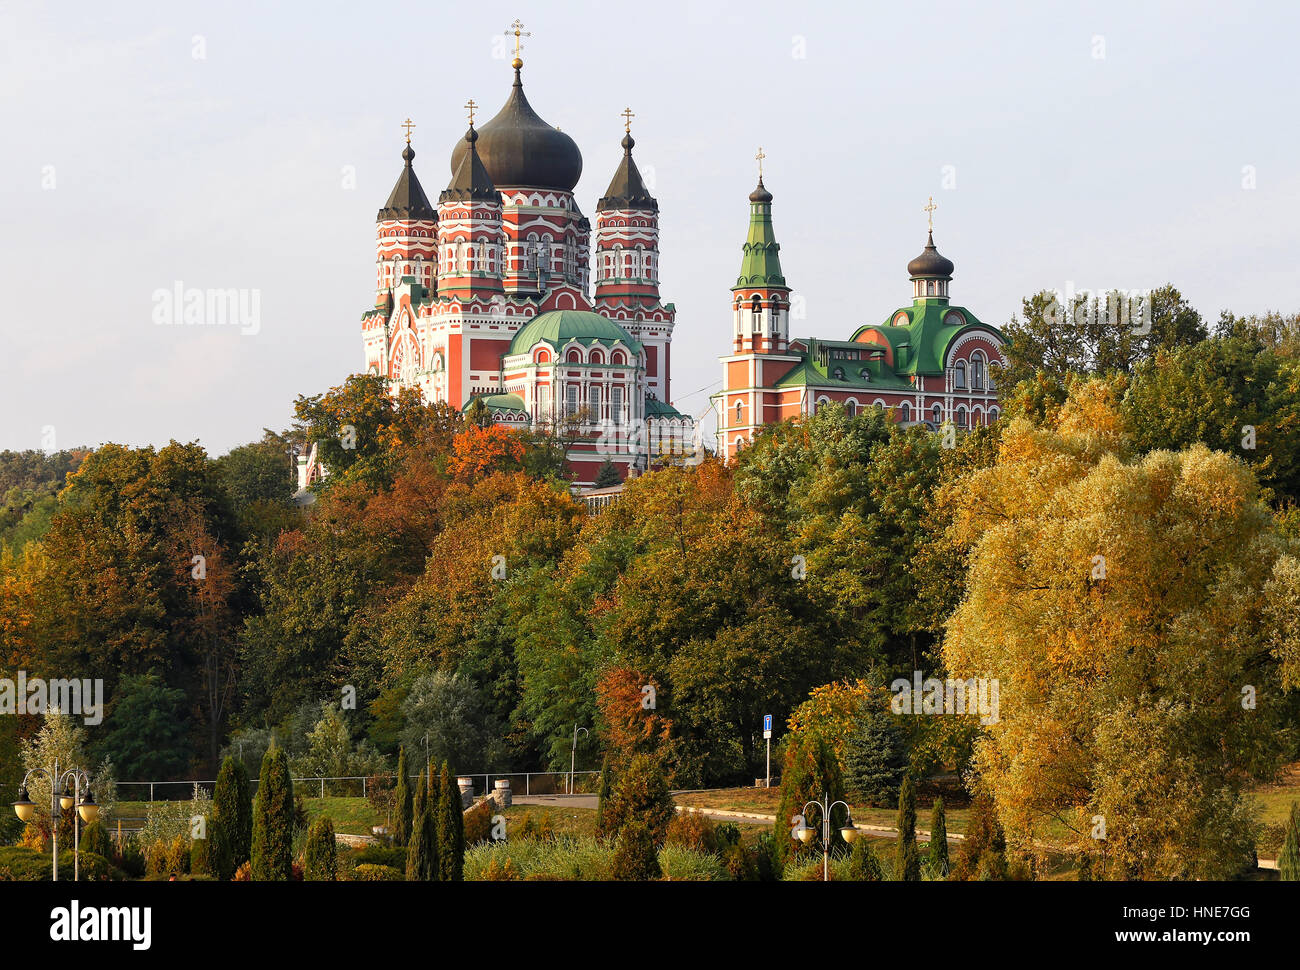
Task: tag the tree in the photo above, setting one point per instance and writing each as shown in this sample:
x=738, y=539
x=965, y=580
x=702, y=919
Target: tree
x=907, y=862
x=984, y=836
x=422, y=849
x=937, y=864
x=811, y=773
x=145, y=729
x=320, y=856
x=1288, y=860
x=635, y=855
x=451, y=711
x=402, y=813
x=273, y=820
x=1121, y=596
x=451, y=829
x=875, y=756
x=60, y=739
x=607, y=475
x=232, y=809
x=640, y=793
x=331, y=752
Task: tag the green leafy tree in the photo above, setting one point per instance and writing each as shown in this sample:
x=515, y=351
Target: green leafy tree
x=451, y=829
x=320, y=855
x=273, y=821
x=146, y=733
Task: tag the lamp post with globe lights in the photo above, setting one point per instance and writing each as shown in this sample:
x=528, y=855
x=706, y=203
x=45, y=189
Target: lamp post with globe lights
x=70, y=780
x=805, y=833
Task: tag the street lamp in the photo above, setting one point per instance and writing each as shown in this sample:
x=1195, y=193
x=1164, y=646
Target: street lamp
x=805, y=833
x=70, y=779
x=573, y=754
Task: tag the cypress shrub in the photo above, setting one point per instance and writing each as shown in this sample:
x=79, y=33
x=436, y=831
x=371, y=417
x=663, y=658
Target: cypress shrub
x=402, y=808
x=94, y=838
x=1288, y=860
x=640, y=794
x=211, y=856
x=321, y=855
x=938, y=863
x=863, y=864
x=635, y=857
x=422, y=848
x=273, y=820
x=908, y=863
x=232, y=807
x=603, y=793
x=811, y=771
x=983, y=832
x=451, y=829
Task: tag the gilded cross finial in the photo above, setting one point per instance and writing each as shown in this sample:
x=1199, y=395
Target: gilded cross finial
x=628, y=115
x=760, y=156
x=517, y=28
x=408, y=125
x=471, y=106
x=929, y=209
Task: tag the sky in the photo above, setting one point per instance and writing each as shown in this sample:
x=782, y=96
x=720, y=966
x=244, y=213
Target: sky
x=247, y=146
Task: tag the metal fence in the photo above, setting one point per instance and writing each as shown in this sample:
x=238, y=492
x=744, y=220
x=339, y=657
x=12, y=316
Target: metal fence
x=521, y=783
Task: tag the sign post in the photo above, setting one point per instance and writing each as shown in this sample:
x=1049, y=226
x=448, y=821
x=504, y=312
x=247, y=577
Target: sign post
x=767, y=733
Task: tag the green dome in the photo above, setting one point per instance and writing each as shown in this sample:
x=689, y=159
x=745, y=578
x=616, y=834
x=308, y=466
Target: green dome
x=559, y=327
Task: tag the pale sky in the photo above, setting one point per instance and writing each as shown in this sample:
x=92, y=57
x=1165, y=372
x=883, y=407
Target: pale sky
x=1112, y=145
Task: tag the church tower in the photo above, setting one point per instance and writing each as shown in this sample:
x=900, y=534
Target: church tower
x=470, y=241
x=760, y=298
x=627, y=264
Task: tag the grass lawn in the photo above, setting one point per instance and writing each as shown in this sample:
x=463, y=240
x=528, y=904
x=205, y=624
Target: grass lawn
x=351, y=816
x=563, y=820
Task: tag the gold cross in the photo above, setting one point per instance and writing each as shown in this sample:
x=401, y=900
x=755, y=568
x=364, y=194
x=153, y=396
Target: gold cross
x=628, y=115
x=408, y=125
x=471, y=105
x=517, y=28
x=760, y=156
x=930, y=210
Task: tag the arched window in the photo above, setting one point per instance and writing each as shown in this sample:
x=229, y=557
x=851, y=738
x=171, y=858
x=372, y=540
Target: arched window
x=596, y=357
x=977, y=371
x=593, y=402
x=740, y=413
x=938, y=413
x=961, y=417
x=993, y=415
x=571, y=400
x=905, y=412
x=756, y=308
x=617, y=357
x=574, y=357
x=838, y=373
x=959, y=380
x=851, y=408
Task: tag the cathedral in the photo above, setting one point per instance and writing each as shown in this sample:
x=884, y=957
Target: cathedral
x=924, y=363
x=482, y=300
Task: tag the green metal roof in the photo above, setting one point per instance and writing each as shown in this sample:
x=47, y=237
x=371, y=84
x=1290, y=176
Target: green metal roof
x=921, y=345
x=498, y=402
x=655, y=408
x=559, y=327
x=761, y=264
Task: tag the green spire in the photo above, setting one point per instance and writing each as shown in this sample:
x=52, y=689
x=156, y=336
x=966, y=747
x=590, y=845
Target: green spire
x=761, y=265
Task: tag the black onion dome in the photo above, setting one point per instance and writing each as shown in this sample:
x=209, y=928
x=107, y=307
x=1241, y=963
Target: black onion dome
x=930, y=265
x=627, y=190
x=520, y=149
x=471, y=182
x=760, y=194
x=407, y=200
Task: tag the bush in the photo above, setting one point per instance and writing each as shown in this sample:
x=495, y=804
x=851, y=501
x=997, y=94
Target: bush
x=766, y=866
x=740, y=864
x=321, y=856
x=810, y=772
x=983, y=833
x=863, y=866
x=693, y=831
x=129, y=857
x=20, y=864
x=211, y=856
x=639, y=793
x=495, y=872
x=992, y=866
x=478, y=824
x=381, y=855
x=244, y=873
x=680, y=864
x=1288, y=859
x=635, y=857
x=567, y=858
x=937, y=865
x=273, y=821
x=95, y=839
x=375, y=873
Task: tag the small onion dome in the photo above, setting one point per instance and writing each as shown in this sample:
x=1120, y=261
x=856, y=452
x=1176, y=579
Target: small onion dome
x=760, y=194
x=930, y=265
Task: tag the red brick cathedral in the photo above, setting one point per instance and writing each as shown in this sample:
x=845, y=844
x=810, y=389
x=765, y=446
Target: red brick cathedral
x=484, y=297
x=927, y=362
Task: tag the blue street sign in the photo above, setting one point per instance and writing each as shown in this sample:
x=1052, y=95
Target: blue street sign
x=767, y=725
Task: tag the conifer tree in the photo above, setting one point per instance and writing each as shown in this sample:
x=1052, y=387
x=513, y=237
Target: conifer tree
x=232, y=809
x=908, y=861
x=422, y=848
x=1288, y=860
x=402, y=808
x=938, y=863
x=273, y=816
x=811, y=773
x=635, y=856
x=863, y=864
x=320, y=856
x=451, y=829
